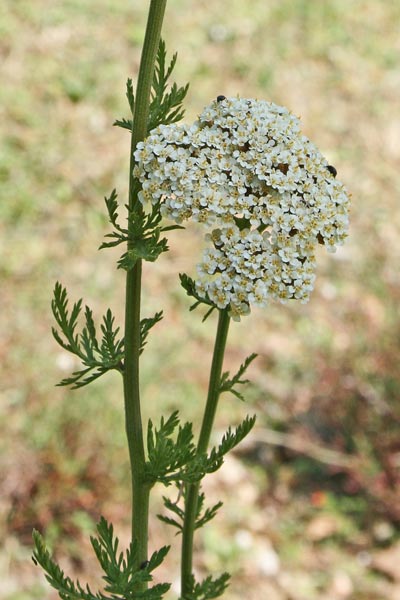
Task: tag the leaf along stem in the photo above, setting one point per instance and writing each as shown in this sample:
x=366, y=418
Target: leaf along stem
x=192, y=490
x=133, y=419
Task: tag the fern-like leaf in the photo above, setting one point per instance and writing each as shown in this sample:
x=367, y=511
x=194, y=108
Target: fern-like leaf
x=120, y=234
x=123, y=123
x=232, y=438
x=170, y=450
x=189, y=286
x=127, y=123
x=66, y=588
x=96, y=356
x=130, y=95
x=123, y=577
x=207, y=589
x=228, y=385
x=178, y=512
x=165, y=107
x=202, y=517
x=172, y=455
x=208, y=514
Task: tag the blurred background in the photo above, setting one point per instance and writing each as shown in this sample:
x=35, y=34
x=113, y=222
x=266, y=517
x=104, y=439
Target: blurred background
x=311, y=500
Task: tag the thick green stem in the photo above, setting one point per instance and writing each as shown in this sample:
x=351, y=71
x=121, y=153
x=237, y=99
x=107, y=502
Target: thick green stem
x=133, y=419
x=192, y=491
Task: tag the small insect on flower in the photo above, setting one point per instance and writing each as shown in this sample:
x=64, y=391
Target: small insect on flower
x=332, y=170
x=220, y=98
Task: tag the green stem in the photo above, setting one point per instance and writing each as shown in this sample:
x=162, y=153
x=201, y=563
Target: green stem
x=133, y=419
x=192, y=491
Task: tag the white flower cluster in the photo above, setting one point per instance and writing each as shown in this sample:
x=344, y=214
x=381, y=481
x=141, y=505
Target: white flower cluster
x=263, y=192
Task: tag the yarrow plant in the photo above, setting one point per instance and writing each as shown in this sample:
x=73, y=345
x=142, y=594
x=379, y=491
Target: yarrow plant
x=261, y=190
x=264, y=197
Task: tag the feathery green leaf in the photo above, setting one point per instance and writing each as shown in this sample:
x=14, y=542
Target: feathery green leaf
x=231, y=438
x=208, y=588
x=143, y=234
x=202, y=517
x=97, y=357
x=123, y=123
x=123, y=579
x=228, y=385
x=130, y=94
x=165, y=107
x=189, y=286
x=168, y=458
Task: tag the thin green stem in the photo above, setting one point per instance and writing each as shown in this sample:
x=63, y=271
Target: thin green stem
x=133, y=419
x=143, y=88
x=192, y=491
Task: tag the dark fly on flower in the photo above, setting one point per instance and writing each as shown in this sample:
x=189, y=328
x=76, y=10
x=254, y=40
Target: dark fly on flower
x=220, y=98
x=332, y=170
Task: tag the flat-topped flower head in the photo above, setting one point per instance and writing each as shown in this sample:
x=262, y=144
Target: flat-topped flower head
x=263, y=192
